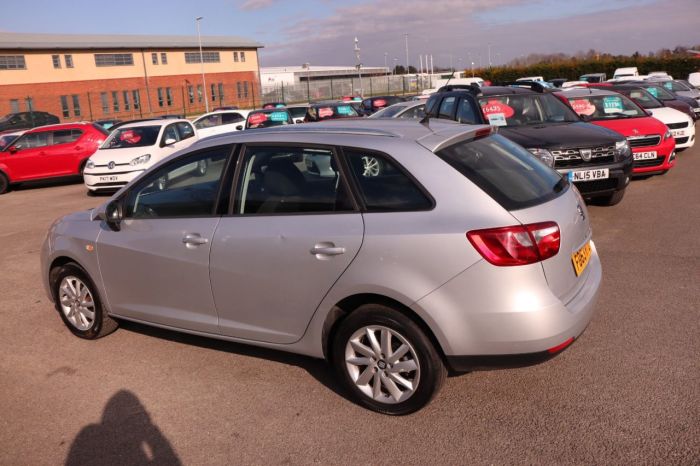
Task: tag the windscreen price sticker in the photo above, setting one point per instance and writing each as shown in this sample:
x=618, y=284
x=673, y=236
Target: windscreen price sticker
x=497, y=119
x=612, y=105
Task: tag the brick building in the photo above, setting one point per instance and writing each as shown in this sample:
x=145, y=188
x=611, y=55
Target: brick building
x=91, y=77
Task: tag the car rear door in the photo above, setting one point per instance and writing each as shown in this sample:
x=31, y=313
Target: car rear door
x=156, y=267
x=293, y=231
x=62, y=156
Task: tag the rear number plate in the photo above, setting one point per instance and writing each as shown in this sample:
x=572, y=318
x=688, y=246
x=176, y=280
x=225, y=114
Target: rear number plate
x=589, y=175
x=645, y=155
x=580, y=258
x=108, y=178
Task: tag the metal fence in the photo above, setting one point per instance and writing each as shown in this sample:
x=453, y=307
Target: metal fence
x=331, y=89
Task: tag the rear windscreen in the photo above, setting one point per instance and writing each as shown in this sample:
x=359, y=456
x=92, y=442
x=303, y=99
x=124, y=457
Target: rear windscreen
x=505, y=171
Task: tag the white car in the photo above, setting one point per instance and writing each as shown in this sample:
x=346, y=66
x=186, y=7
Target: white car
x=220, y=122
x=133, y=148
x=413, y=109
x=681, y=125
x=538, y=79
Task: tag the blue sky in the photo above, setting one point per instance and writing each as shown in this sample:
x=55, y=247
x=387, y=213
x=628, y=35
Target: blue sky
x=322, y=31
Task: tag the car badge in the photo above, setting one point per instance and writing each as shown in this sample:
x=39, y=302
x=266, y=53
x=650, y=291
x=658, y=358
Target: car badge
x=111, y=165
x=580, y=211
x=635, y=131
x=586, y=154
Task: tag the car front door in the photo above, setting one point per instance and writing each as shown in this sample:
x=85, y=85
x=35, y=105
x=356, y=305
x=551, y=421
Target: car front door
x=293, y=231
x=156, y=267
x=27, y=159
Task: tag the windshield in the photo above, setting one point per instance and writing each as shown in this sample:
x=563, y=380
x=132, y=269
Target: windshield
x=525, y=109
x=140, y=136
x=660, y=93
x=505, y=171
x=674, y=86
x=268, y=119
x=332, y=112
x=643, y=98
x=389, y=112
x=297, y=112
x=605, y=107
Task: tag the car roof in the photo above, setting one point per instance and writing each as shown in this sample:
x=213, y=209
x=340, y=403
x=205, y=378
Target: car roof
x=504, y=90
x=59, y=126
x=218, y=112
x=434, y=135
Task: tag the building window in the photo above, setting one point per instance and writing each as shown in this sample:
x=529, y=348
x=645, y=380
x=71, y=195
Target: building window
x=14, y=105
x=114, y=59
x=164, y=58
x=105, y=102
x=213, y=92
x=64, y=105
x=242, y=56
x=235, y=56
x=221, y=92
x=160, y=96
x=56, y=59
x=239, y=89
x=190, y=93
x=154, y=58
x=76, y=105
x=245, y=89
x=127, y=101
x=207, y=57
x=69, y=60
x=29, y=104
x=137, y=99
x=115, y=101
x=169, y=96
x=12, y=62
x=199, y=93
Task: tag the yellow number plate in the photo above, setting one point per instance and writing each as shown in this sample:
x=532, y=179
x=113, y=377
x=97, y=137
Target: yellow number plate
x=580, y=258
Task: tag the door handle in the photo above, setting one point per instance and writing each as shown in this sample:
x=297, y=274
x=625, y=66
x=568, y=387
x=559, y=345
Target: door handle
x=194, y=239
x=321, y=250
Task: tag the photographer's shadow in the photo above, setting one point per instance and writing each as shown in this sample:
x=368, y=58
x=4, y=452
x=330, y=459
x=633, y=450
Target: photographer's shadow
x=126, y=435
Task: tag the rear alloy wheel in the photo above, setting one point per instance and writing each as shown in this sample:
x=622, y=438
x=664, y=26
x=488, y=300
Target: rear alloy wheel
x=79, y=304
x=386, y=361
x=4, y=183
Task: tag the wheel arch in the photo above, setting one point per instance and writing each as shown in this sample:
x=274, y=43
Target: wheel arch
x=349, y=304
x=55, y=266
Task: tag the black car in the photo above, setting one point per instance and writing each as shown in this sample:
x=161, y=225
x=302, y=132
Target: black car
x=596, y=159
x=108, y=123
x=329, y=111
x=668, y=98
x=373, y=104
x=269, y=105
x=267, y=118
x=27, y=120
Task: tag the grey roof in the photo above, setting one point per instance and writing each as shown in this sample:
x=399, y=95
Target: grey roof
x=27, y=41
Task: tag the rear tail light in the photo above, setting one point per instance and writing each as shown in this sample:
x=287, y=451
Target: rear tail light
x=517, y=245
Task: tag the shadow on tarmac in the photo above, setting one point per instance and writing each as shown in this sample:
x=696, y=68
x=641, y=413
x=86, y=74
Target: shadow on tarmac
x=125, y=435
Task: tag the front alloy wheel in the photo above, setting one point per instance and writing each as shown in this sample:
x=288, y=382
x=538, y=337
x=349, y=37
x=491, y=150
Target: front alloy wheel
x=77, y=303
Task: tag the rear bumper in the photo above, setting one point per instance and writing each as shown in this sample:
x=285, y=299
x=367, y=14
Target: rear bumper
x=514, y=312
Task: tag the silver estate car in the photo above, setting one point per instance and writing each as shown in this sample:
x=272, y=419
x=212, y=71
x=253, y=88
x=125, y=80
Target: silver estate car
x=456, y=250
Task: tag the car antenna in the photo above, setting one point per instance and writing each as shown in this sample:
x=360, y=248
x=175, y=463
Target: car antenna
x=425, y=121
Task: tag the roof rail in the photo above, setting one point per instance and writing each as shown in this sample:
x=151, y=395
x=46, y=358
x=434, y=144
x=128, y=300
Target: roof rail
x=472, y=88
x=533, y=85
x=306, y=129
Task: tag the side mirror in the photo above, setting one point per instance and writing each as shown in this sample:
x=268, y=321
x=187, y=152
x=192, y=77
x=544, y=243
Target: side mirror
x=169, y=142
x=113, y=215
x=239, y=128
x=585, y=117
x=648, y=113
x=12, y=149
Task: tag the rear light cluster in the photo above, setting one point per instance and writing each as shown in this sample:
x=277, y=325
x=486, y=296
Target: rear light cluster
x=517, y=245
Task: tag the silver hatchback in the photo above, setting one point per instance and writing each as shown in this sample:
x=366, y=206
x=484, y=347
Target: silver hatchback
x=397, y=250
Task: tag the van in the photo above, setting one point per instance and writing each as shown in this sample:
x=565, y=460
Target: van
x=626, y=72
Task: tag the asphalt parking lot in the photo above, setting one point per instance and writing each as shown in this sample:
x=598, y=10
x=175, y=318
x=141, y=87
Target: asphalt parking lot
x=628, y=391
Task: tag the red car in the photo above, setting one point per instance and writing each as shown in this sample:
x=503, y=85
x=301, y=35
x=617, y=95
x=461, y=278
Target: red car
x=652, y=144
x=49, y=152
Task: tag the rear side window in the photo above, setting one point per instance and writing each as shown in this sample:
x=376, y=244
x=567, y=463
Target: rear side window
x=383, y=185
x=505, y=171
x=447, y=107
x=66, y=135
x=465, y=112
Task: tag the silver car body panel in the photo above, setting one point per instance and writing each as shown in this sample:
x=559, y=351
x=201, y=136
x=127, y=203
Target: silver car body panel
x=421, y=260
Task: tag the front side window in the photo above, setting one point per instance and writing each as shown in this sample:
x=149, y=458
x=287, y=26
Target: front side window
x=185, y=130
x=286, y=180
x=139, y=136
x=208, y=121
x=383, y=185
x=505, y=171
x=447, y=107
x=33, y=140
x=187, y=187
x=417, y=112
x=465, y=112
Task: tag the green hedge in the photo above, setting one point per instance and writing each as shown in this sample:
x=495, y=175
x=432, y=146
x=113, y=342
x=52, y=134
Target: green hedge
x=679, y=68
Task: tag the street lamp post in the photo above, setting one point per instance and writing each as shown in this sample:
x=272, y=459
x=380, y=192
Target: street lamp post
x=472, y=69
x=359, y=64
x=201, y=62
x=407, y=63
x=396, y=61
x=386, y=54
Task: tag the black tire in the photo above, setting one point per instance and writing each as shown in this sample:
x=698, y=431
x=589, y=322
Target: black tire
x=611, y=199
x=431, y=371
x=102, y=324
x=4, y=183
x=81, y=170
